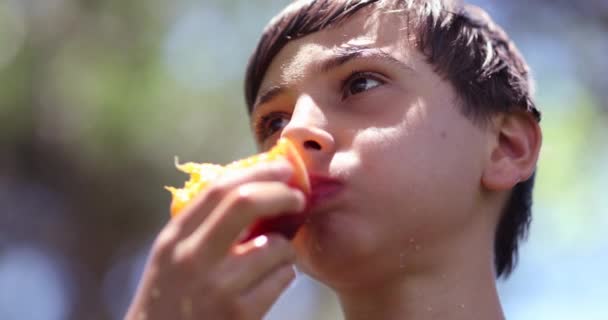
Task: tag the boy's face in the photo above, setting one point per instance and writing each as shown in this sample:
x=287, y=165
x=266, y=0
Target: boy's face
x=390, y=129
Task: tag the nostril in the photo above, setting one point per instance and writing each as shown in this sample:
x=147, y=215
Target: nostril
x=310, y=144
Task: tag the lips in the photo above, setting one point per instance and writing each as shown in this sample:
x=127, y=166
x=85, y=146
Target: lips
x=323, y=188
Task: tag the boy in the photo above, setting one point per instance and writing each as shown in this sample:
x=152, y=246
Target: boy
x=418, y=117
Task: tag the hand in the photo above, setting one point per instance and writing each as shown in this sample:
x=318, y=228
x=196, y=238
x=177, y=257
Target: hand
x=197, y=269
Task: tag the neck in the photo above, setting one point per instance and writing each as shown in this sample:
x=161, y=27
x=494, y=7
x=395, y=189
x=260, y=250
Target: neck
x=461, y=286
x=450, y=296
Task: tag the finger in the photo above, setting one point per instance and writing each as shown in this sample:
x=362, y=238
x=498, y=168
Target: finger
x=260, y=298
x=240, y=209
x=200, y=207
x=255, y=259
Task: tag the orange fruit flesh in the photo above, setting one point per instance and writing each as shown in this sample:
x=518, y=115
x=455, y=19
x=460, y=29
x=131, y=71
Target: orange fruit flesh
x=203, y=174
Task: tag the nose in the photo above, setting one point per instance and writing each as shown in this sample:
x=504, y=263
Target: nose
x=308, y=129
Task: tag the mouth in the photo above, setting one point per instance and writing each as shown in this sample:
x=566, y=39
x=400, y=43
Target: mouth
x=323, y=189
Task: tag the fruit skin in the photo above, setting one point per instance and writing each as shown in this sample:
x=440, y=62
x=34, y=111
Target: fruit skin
x=203, y=174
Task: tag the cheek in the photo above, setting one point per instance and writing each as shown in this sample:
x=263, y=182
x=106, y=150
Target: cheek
x=380, y=153
x=421, y=178
x=388, y=156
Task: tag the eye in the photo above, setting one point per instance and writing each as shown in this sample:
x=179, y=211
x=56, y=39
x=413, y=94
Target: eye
x=360, y=82
x=269, y=124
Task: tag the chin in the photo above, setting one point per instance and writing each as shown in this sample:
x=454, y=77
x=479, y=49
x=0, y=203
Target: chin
x=326, y=245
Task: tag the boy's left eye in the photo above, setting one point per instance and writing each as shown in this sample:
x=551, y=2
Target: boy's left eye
x=360, y=82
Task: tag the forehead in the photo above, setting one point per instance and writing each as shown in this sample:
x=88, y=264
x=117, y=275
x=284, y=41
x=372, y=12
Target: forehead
x=370, y=27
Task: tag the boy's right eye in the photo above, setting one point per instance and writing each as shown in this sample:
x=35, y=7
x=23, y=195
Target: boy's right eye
x=270, y=124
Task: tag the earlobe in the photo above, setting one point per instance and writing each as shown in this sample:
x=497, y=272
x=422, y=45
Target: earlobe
x=513, y=149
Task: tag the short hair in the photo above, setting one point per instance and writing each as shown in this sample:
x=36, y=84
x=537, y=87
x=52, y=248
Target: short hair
x=463, y=45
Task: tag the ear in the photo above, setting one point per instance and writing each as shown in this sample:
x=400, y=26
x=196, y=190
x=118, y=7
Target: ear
x=514, y=144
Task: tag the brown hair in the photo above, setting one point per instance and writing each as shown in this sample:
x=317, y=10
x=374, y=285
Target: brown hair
x=463, y=45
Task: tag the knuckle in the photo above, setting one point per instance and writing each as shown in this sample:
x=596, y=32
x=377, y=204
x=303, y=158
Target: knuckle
x=185, y=261
x=243, y=198
x=165, y=242
x=185, y=264
x=216, y=192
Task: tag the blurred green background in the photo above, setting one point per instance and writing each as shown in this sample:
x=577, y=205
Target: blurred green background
x=97, y=97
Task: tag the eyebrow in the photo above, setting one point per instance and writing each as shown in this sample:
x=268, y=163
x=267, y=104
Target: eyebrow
x=268, y=95
x=348, y=53
x=341, y=56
